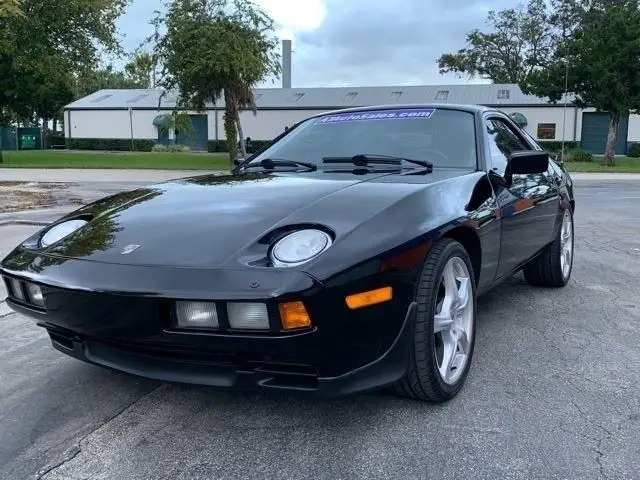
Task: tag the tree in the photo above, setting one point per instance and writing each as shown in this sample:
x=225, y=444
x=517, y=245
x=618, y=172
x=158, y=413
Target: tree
x=40, y=36
x=9, y=9
x=520, y=41
x=104, y=79
x=214, y=49
x=599, y=62
x=139, y=70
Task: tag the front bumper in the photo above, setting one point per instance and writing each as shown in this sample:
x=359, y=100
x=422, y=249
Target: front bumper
x=237, y=371
x=119, y=317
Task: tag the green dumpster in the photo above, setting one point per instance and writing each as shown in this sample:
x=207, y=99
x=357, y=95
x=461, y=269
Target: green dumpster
x=27, y=142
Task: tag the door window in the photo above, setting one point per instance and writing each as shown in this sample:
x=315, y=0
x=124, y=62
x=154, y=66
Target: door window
x=502, y=141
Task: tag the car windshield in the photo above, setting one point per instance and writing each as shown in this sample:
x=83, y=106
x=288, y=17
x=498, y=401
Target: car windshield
x=443, y=137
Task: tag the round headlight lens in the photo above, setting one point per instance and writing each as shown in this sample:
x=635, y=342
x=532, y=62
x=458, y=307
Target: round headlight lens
x=299, y=247
x=60, y=231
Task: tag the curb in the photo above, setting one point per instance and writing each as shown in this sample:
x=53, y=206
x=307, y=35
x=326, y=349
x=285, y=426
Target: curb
x=33, y=223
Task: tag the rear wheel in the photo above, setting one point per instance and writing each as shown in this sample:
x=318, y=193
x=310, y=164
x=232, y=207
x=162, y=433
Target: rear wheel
x=552, y=268
x=444, y=335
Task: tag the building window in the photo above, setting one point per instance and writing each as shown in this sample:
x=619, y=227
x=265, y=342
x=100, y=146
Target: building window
x=503, y=94
x=297, y=97
x=546, y=131
x=442, y=95
x=395, y=96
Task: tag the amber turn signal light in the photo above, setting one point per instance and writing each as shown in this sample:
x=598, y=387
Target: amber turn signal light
x=293, y=315
x=371, y=297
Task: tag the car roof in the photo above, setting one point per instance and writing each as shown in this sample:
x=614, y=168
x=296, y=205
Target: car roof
x=476, y=109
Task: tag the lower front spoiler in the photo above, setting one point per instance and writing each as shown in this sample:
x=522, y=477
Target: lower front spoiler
x=386, y=370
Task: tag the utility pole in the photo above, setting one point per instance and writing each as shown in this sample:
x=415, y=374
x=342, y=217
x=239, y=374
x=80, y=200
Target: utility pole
x=564, y=110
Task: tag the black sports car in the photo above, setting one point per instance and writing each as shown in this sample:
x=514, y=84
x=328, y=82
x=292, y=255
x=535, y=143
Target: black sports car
x=345, y=256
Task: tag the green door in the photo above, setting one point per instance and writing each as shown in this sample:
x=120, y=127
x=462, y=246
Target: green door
x=595, y=127
x=196, y=139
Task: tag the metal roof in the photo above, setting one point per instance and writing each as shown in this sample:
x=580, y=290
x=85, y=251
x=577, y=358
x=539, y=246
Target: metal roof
x=329, y=98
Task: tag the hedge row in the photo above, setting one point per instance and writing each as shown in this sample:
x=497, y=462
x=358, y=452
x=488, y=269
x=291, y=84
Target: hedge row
x=119, y=145
x=634, y=150
x=215, y=146
x=114, y=144
x=220, y=146
x=556, y=146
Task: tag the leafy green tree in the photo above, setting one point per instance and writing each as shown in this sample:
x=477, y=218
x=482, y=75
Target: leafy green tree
x=37, y=36
x=9, y=10
x=139, y=70
x=520, y=40
x=599, y=62
x=103, y=79
x=214, y=49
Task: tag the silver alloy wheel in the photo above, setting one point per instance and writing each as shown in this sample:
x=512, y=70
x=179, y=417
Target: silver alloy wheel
x=566, y=244
x=453, y=320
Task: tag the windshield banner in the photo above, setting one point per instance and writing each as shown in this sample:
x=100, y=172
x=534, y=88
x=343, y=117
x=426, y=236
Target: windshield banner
x=399, y=114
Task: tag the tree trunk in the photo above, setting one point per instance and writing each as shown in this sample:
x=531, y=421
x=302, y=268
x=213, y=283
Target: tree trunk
x=230, y=125
x=243, y=146
x=612, y=137
x=55, y=126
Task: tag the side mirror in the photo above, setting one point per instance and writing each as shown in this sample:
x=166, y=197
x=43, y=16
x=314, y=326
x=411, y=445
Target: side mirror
x=527, y=162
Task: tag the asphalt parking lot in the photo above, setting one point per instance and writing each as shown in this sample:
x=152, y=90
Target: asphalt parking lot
x=553, y=393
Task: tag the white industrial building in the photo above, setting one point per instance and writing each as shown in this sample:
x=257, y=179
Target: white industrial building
x=130, y=114
x=126, y=114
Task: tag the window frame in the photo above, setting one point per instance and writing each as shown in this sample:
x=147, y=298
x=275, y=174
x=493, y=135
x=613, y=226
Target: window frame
x=491, y=116
x=546, y=126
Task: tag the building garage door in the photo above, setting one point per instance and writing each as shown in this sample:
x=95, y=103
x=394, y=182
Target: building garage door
x=595, y=126
x=197, y=139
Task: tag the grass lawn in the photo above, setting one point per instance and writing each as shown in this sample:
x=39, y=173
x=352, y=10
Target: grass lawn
x=623, y=165
x=204, y=161
x=74, y=159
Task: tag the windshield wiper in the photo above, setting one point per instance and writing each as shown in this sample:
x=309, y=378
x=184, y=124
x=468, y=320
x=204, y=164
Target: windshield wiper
x=271, y=163
x=364, y=159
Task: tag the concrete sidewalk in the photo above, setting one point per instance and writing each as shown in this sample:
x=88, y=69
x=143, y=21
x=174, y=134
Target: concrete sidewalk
x=70, y=175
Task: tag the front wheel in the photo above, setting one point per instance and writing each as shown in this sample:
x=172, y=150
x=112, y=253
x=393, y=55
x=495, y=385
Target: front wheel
x=552, y=268
x=445, y=326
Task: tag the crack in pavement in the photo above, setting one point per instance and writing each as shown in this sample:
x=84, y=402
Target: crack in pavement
x=76, y=449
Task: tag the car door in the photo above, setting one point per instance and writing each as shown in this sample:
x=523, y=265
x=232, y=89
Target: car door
x=528, y=206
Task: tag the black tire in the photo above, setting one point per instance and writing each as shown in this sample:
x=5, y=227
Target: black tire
x=546, y=269
x=423, y=380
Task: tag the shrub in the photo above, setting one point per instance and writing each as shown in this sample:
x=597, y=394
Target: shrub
x=113, y=144
x=159, y=147
x=555, y=146
x=578, y=155
x=54, y=141
x=176, y=148
x=634, y=150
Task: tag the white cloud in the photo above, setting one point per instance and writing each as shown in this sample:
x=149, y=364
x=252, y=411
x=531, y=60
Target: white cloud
x=358, y=42
x=294, y=16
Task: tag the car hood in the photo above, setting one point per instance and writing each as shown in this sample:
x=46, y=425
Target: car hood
x=210, y=220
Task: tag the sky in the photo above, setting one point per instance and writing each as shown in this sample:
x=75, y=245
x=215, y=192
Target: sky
x=357, y=42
